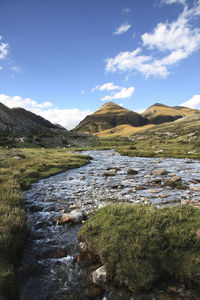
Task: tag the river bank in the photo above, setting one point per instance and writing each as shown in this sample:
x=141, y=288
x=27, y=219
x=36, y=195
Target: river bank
x=19, y=168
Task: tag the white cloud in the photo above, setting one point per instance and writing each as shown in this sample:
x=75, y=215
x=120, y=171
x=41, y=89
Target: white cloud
x=68, y=118
x=130, y=61
x=126, y=10
x=106, y=87
x=176, y=40
x=177, y=35
x=173, y=1
x=82, y=91
x=124, y=93
x=122, y=28
x=194, y=102
x=1, y=68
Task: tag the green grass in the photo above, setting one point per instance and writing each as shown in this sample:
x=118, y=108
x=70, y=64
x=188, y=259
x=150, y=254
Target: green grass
x=143, y=245
x=18, y=169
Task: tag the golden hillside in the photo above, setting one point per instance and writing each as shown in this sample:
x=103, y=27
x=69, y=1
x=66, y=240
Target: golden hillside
x=109, y=116
x=124, y=130
x=160, y=113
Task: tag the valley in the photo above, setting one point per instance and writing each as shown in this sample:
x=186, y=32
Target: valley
x=133, y=162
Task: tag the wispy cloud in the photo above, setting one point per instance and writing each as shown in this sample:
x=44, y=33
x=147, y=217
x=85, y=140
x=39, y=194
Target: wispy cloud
x=68, y=118
x=82, y=91
x=122, y=28
x=173, y=1
x=106, y=87
x=175, y=41
x=3, y=50
x=126, y=10
x=194, y=102
x=124, y=93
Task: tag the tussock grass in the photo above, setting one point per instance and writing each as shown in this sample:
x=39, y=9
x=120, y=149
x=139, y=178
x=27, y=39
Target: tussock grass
x=18, y=169
x=142, y=245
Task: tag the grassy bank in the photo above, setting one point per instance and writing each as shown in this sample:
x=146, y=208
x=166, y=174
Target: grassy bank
x=149, y=145
x=142, y=245
x=18, y=169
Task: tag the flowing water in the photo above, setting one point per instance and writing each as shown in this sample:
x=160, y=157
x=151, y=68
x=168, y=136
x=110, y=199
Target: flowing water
x=49, y=269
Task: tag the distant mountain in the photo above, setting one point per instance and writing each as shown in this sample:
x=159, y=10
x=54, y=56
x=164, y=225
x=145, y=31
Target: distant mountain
x=109, y=116
x=20, y=121
x=160, y=113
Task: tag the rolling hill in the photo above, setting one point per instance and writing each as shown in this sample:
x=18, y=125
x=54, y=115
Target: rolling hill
x=160, y=113
x=109, y=116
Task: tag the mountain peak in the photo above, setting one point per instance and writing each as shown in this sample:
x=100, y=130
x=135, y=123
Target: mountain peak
x=110, y=104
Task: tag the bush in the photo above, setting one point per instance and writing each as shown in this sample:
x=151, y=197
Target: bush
x=141, y=245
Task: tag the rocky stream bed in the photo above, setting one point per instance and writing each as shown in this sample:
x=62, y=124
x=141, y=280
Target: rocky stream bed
x=51, y=267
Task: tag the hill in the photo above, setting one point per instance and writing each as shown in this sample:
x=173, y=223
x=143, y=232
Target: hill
x=20, y=121
x=19, y=127
x=160, y=113
x=109, y=116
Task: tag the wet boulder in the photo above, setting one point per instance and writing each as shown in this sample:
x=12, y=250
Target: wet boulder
x=174, y=182
x=76, y=216
x=107, y=174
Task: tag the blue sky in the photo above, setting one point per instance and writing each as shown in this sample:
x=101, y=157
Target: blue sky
x=64, y=59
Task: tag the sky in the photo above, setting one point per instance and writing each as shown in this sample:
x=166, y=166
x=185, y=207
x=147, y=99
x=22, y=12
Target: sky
x=63, y=59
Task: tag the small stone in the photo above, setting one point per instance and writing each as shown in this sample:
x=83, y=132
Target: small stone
x=164, y=195
x=82, y=177
x=132, y=172
x=159, y=172
x=154, y=191
x=156, y=181
x=99, y=277
x=194, y=188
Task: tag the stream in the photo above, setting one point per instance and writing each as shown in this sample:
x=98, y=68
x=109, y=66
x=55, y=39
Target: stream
x=49, y=269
